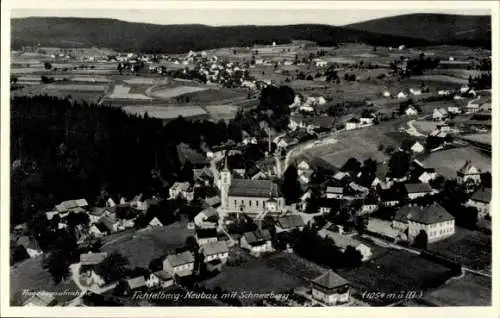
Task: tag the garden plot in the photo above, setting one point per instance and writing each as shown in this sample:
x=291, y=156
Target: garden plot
x=168, y=93
x=123, y=92
x=76, y=87
x=440, y=78
x=91, y=79
x=140, y=81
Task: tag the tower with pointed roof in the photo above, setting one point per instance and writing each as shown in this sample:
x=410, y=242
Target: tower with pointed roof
x=225, y=183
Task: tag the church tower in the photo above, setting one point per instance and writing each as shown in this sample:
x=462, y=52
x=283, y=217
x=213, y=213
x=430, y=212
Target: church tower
x=225, y=183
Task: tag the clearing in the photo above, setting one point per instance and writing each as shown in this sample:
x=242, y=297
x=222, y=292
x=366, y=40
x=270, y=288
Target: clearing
x=167, y=93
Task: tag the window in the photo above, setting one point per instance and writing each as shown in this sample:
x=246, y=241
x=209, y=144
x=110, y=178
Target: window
x=235, y=203
x=257, y=203
x=249, y=202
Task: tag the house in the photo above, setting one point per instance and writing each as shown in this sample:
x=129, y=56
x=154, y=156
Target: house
x=369, y=206
x=468, y=173
x=155, y=222
x=98, y=230
x=417, y=147
x=330, y=289
x=411, y=111
x=417, y=190
x=335, y=192
x=75, y=206
x=30, y=245
x=390, y=197
x=366, y=121
x=413, y=146
x=180, y=264
x=213, y=201
x=444, y=92
x=454, y=110
x=111, y=224
x=257, y=242
x=439, y=114
x=289, y=222
x=208, y=218
x=481, y=200
x=320, y=63
x=51, y=214
x=159, y=279
x=40, y=299
x=433, y=219
x=427, y=175
x=206, y=235
x=352, y=123
x=325, y=205
x=415, y=92
x=386, y=94
x=215, y=255
x=134, y=284
x=343, y=241
x=401, y=95
x=179, y=189
x=92, y=259
x=95, y=214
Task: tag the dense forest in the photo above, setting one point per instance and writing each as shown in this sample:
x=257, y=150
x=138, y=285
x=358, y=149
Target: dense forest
x=151, y=38
x=61, y=149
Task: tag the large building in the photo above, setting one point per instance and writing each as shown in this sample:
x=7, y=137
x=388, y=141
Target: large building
x=437, y=223
x=252, y=197
x=330, y=289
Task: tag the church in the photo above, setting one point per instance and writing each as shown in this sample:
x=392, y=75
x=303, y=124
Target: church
x=252, y=197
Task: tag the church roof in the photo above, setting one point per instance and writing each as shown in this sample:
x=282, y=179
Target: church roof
x=253, y=188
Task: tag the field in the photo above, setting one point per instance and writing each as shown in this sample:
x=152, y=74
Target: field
x=225, y=112
x=140, y=247
x=360, y=144
x=440, y=78
x=141, y=81
x=395, y=271
x=30, y=275
x=425, y=126
x=168, y=93
x=91, y=79
x=211, y=96
x=76, y=87
x=123, y=92
x=470, y=290
x=165, y=112
x=254, y=276
x=447, y=162
x=470, y=248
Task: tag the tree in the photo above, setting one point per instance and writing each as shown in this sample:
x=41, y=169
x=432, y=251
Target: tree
x=352, y=257
x=486, y=179
x=291, y=185
x=421, y=240
x=58, y=265
x=47, y=65
x=113, y=267
x=19, y=253
x=399, y=164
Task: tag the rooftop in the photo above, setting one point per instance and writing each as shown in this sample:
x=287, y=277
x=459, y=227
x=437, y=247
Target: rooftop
x=206, y=233
x=253, y=188
x=430, y=214
x=291, y=221
x=136, y=282
x=215, y=248
x=92, y=258
x=417, y=187
x=163, y=275
x=330, y=280
x=257, y=237
x=180, y=258
x=482, y=195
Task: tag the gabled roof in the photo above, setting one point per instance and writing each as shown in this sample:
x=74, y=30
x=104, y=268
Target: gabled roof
x=215, y=248
x=430, y=214
x=482, y=195
x=92, y=258
x=163, y=275
x=210, y=212
x=257, y=237
x=291, y=221
x=330, y=280
x=342, y=241
x=180, y=258
x=253, y=188
x=417, y=187
x=155, y=221
x=71, y=205
x=212, y=201
x=337, y=190
x=136, y=282
x=467, y=167
x=108, y=221
x=40, y=299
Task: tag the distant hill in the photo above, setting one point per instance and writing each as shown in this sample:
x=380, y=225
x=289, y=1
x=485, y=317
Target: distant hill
x=443, y=28
x=126, y=36
x=409, y=30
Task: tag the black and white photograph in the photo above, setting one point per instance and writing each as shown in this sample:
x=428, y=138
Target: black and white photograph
x=248, y=157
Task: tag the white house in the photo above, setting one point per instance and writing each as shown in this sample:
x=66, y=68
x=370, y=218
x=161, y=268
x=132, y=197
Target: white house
x=386, y=94
x=433, y=220
x=417, y=190
x=289, y=222
x=155, y=222
x=417, y=147
x=444, y=92
x=320, y=63
x=481, y=200
x=352, y=124
x=206, y=235
x=415, y=92
x=215, y=252
x=257, y=242
x=159, y=279
x=411, y=111
x=439, y=114
x=181, y=264
x=427, y=176
x=334, y=192
x=179, y=189
x=401, y=95
x=468, y=172
x=208, y=218
x=454, y=110
x=330, y=289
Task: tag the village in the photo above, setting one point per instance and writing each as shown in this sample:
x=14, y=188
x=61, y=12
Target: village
x=274, y=174
x=236, y=216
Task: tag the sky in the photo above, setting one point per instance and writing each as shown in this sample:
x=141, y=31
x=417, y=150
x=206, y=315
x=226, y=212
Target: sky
x=216, y=17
